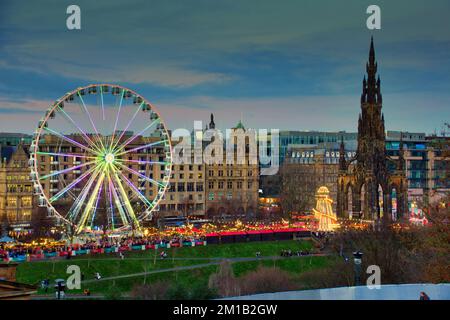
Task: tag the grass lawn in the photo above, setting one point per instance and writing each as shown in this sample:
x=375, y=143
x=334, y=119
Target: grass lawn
x=143, y=261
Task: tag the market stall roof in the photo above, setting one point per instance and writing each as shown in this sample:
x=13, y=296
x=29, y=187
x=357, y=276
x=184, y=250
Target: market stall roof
x=259, y=231
x=212, y=234
x=232, y=233
x=290, y=230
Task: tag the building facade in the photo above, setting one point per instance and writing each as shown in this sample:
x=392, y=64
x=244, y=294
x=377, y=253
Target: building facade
x=426, y=164
x=16, y=188
x=232, y=184
x=307, y=168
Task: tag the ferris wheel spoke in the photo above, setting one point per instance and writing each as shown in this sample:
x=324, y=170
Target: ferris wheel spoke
x=117, y=201
x=89, y=206
x=94, y=211
x=73, y=155
x=132, y=138
x=127, y=203
x=103, y=104
x=76, y=207
x=136, y=190
x=111, y=203
x=117, y=119
x=70, y=140
x=67, y=170
x=83, y=133
x=142, y=147
x=143, y=161
x=90, y=119
x=159, y=184
x=128, y=125
x=71, y=185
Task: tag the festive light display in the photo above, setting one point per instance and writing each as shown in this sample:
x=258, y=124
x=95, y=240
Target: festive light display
x=327, y=220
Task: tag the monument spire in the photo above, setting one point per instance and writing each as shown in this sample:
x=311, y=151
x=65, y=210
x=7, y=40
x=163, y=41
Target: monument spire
x=371, y=86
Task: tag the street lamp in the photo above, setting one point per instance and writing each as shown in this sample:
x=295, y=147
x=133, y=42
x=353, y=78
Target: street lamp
x=357, y=259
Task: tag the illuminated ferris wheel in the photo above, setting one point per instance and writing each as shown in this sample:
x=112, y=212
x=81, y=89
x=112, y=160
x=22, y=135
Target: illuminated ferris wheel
x=101, y=159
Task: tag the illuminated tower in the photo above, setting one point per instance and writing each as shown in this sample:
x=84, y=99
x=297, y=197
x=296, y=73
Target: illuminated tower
x=324, y=211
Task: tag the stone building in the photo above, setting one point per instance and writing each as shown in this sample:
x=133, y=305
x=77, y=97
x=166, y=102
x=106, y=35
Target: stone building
x=232, y=183
x=16, y=188
x=186, y=193
x=305, y=169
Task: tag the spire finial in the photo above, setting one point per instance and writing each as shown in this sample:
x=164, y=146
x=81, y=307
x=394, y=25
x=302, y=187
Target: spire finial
x=212, y=125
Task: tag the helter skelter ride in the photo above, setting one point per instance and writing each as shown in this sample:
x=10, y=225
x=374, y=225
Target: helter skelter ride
x=101, y=159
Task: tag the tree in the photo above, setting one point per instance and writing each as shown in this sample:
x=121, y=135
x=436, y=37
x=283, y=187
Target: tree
x=265, y=280
x=154, y=291
x=298, y=187
x=224, y=282
x=41, y=223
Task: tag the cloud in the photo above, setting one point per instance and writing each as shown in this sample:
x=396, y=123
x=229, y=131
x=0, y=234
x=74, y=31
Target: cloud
x=315, y=113
x=23, y=106
x=295, y=65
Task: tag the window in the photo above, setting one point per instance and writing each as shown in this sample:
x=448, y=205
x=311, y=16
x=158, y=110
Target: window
x=220, y=184
x=211, y=184
x=26, y=215
x=230, y=184
x=26, y=201
x=12, y=202
x=239, y=184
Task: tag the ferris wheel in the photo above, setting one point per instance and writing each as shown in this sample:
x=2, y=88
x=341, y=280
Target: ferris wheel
x=101, y=159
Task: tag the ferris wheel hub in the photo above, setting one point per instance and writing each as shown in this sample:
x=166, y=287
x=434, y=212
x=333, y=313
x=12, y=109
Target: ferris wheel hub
x=109, y=158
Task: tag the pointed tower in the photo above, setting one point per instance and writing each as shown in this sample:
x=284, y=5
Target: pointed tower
x=212, y=125
x=371, y=135
x=370, y=180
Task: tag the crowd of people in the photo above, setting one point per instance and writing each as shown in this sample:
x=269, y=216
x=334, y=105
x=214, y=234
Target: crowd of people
x=10, y=251
x=290, y=253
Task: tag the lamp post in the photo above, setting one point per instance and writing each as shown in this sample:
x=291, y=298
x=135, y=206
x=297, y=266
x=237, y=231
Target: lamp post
x=357, y=259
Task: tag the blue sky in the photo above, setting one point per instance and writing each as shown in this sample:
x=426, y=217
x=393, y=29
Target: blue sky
x=278, y=64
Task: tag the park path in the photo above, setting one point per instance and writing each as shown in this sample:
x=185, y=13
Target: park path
x=196, y=266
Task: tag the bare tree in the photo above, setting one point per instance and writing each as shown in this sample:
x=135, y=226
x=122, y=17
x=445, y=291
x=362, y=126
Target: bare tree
x=265, y=280
x=224, y=282
x=298, y=187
